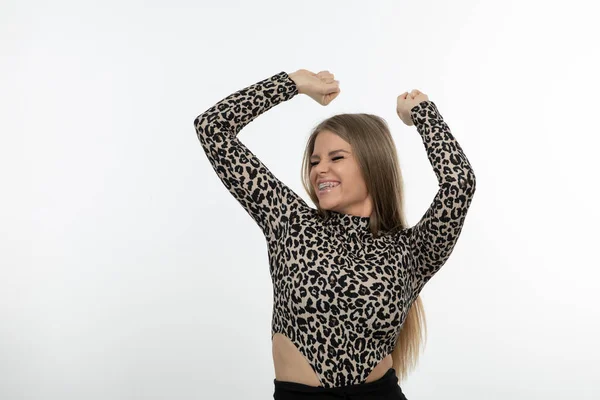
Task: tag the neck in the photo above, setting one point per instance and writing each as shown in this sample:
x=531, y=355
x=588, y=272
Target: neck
x=363, y=209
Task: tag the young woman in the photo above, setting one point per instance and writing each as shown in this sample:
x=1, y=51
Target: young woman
x=347, y=275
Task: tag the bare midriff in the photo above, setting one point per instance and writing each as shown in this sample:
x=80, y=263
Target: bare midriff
x=292, y=366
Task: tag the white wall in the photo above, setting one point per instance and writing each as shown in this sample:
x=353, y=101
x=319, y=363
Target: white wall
x=129, y=272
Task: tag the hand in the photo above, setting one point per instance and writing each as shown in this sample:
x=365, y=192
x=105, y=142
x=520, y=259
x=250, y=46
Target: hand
x=321, y=87
x=406, y=101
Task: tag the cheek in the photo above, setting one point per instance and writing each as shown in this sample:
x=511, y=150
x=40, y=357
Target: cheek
x=358, y=183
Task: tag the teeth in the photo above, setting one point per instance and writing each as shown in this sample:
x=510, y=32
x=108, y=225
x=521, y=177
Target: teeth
x=327, y=185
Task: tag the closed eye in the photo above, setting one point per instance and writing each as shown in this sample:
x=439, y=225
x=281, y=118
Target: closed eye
x=312, y=164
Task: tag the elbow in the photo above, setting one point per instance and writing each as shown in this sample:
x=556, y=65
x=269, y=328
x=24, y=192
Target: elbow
x=197, y=121
x=472, y=181
x=469, y=188
x=466, y=181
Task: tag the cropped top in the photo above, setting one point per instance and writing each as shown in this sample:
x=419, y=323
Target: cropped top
x=341, y=295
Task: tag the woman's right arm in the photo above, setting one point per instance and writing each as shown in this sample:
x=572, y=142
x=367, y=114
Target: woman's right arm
x=268, y=201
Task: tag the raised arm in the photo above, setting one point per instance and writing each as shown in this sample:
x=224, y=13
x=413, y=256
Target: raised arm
x=433, y=238
x=268, y=201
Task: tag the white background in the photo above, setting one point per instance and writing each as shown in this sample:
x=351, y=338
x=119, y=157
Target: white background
x=127, y=271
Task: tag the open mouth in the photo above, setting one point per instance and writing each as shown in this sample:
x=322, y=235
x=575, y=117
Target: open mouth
x=328, y=188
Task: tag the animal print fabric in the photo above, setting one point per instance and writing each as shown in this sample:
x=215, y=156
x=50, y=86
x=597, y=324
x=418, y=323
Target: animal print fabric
x=340, y=294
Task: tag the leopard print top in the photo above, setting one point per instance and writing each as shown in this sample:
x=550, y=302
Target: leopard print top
x=340, y=295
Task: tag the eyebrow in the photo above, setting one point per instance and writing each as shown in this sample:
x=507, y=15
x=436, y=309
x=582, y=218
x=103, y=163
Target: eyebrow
x=331, y=153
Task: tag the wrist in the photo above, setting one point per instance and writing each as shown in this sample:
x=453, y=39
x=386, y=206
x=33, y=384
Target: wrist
x=294, y=77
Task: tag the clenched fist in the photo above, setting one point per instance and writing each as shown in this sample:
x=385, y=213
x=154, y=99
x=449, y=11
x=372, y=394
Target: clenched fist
x=405, y=102
x=320, y=87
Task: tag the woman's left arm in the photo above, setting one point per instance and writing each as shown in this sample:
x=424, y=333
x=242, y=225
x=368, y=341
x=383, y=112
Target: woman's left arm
x=433, y=238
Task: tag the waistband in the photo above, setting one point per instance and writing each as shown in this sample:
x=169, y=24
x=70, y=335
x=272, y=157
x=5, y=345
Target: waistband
x=387, y=381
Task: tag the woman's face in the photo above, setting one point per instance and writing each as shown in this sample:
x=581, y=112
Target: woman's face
x=350, y=196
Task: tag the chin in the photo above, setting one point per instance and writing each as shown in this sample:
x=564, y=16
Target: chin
x=330, y=202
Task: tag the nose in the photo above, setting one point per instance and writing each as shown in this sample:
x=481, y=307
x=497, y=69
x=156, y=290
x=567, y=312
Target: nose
x=321, y=167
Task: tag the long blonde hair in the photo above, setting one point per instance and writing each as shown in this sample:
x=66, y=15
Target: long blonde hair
x=375, y=152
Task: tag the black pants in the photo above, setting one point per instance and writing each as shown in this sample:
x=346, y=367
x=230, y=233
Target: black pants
x=384, y=388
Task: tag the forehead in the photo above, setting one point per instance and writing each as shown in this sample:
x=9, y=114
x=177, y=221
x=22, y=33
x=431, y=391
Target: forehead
x=327, y=140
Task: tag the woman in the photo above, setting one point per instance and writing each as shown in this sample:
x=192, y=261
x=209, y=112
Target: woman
x=346, y=275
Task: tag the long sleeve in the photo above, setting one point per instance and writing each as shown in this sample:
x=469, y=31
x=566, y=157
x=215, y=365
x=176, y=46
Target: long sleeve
x=268, y=201
x=433, y=238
